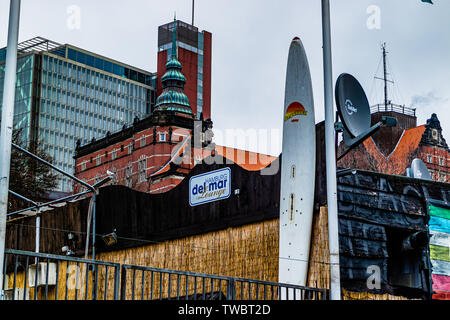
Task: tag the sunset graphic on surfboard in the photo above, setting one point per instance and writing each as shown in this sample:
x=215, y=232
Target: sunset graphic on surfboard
x=295, y=109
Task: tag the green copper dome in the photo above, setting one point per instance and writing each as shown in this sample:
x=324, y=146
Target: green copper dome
x=173, y=75
x=173, y=63
x=173, y=97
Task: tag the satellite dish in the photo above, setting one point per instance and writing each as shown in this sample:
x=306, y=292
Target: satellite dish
x=352, y=105
x=420, y=170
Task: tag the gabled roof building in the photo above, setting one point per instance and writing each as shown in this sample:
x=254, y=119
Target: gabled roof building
x=391, y=150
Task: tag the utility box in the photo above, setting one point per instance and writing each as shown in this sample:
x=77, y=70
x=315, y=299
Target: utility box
x=41, y=273
x=18, y=294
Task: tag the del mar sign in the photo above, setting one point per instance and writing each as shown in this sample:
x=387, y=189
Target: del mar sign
x=210, y=186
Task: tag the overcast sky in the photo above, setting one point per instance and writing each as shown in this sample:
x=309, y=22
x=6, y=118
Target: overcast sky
x=250, y=45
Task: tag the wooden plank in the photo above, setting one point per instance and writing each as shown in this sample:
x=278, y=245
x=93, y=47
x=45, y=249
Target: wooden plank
x=441, y=295
x=398, y=184
x=321, y=172
x=361, y=230
x=441, y=282
x=381, y=217
x=439, y=253
x=441, y=267
x=439, y=224
x=439, y=238
x=439, y=212
x=380, y=200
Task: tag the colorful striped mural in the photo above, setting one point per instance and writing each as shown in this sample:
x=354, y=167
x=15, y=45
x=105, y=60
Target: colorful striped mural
x=439, y=225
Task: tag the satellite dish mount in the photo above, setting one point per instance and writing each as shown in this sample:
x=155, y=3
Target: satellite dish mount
x=354, y=112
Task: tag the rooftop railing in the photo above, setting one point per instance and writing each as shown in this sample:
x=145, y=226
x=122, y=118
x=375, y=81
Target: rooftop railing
x=391, y=107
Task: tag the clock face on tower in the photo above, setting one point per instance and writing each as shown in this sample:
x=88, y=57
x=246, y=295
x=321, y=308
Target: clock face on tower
x=434, y=134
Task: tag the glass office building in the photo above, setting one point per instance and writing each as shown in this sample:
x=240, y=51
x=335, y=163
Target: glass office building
x=64, y=93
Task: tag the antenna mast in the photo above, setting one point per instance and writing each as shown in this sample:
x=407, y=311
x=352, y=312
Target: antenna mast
x=385, y=77
x=385, y=74
x=193, y=3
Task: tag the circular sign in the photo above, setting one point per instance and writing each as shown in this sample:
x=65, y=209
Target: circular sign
x=352, y=105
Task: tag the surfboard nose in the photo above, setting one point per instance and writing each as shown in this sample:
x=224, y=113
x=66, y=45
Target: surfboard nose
x=296, y=38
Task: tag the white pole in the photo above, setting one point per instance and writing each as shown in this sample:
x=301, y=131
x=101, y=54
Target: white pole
x=333, y=235
x=38, y=232
x=9, y=88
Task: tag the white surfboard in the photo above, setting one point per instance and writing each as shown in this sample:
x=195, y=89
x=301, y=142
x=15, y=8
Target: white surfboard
x=297, y=169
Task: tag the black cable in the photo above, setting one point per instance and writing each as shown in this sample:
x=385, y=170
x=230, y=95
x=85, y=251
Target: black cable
x=172, y=244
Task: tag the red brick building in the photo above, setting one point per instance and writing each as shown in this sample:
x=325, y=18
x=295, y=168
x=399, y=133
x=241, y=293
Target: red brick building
x=194, y=53
x=154, y=154
x=138, y=152
x=391, y=150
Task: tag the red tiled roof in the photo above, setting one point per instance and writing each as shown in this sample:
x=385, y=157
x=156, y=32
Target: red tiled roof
x=398, y=160
x=250, y=161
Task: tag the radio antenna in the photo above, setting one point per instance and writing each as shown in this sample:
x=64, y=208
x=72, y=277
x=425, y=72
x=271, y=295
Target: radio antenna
x=385, y=79
x=193, y=5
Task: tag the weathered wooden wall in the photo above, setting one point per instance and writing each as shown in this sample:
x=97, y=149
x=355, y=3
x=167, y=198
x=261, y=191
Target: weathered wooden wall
x=319, y=272
x=74, y=282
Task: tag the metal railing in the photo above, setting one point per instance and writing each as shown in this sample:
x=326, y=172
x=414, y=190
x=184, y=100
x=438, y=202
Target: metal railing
x=142, y=283
x=393, y=108
x=40, y=276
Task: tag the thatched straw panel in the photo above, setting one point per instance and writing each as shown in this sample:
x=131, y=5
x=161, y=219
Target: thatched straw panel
x=249, y=251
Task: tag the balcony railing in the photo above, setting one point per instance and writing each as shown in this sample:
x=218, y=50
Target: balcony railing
x=393, y=108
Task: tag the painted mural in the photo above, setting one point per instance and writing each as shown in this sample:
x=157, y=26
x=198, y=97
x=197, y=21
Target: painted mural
x=439, y=225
